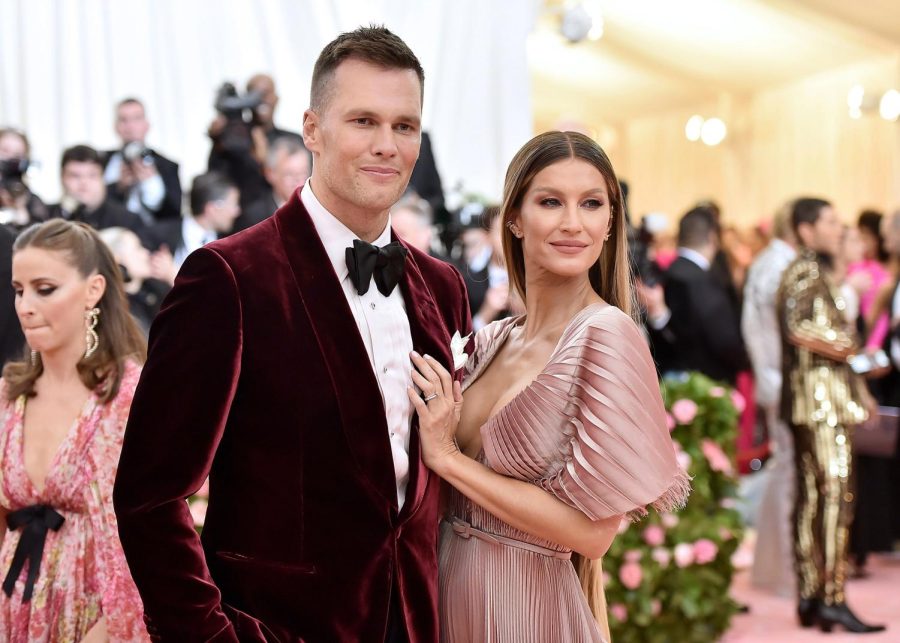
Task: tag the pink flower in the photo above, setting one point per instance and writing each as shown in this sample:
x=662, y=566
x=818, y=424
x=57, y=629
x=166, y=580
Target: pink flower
x=606, y=578
x=662, y=556
x=705, y=551
x=717, y=391
x=198, y=511
x=633, y=555
x=717, y=459
x=654, y=535
x=631, y=575
x=683, y=554
x=684, y=411
x=655, y=607
x=669, y=520
x=725, y=534
x=619, y=612
x=727, y=503
x=670, y=422
x=683, y=460
x=739, y=402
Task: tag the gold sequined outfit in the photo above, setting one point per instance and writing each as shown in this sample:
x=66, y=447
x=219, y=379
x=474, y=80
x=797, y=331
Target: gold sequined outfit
x=822, y=400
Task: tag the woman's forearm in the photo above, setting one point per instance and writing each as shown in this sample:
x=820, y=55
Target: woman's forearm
x=529, y=508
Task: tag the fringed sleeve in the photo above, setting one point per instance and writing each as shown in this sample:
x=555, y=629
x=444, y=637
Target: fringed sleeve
x=619, y=457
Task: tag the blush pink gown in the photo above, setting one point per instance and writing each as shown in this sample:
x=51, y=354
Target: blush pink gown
x=591, y=430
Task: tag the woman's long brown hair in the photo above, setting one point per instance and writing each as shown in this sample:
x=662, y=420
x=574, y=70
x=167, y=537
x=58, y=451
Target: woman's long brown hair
x=120, y=337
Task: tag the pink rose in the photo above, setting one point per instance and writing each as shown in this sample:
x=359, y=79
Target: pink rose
x=619, y=612
x=739, y=402
x=631, y=575
x=705, y=551
x=670, y=422
x=198, y=511
x=717, y=459
x=669, y=520
x=683, y=460
x=727, y=503
x=725, y=534
x=683, y=554
x=654, y=535
x=684, y=411
x=633, y=555
x=717, y=391
x=655, y=607
x=662, y=556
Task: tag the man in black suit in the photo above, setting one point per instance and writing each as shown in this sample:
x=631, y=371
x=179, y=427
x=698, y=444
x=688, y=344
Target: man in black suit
x=702, y=330
x=138, y=177
x=84, y=193
x=11, y=338
x=288, y=165
x=214, y=207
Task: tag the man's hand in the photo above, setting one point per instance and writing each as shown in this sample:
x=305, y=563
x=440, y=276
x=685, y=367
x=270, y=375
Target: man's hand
x=162, y=265
x=652, y=298
x=127, y=177
x=143, y=171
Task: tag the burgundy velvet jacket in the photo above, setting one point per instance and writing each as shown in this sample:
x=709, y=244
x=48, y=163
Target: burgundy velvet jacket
x=258, y=376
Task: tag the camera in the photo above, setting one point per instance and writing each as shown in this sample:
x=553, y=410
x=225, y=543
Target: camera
x=230, y=104
x=12, y=172
x=135, y=152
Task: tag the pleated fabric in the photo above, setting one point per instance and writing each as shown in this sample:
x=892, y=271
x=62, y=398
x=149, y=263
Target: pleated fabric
x=591, y=430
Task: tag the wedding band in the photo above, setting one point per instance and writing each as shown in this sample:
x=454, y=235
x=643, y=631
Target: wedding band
x=430, y=397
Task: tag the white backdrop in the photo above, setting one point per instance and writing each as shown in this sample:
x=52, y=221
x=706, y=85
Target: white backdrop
x=65, y=63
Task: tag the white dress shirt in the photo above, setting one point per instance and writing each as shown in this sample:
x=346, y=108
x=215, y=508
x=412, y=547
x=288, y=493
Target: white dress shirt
x=195, y=236
x=694, y=257
x=384, y=328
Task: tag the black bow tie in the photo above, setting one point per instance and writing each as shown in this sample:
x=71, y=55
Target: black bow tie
x=386, y=264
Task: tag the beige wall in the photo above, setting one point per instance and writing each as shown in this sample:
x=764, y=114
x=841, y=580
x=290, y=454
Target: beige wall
x=782, y=142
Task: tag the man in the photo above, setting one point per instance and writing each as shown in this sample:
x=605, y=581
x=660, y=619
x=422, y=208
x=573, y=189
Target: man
x=11, y=339
x=288, y=165
x=822, y=400
x=759, y=326
x=703, y=330
x=214, y=208
x=84, y=193
x=138, y=177
x=19, y=206
x=411, y=220
x=891, y=232
x=240, y=149
x=280, y=369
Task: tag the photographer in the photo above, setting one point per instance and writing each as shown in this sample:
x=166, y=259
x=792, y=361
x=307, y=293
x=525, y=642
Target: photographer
x=19, y=206
x=140, y=178
x=84, y=193
x=241, y=135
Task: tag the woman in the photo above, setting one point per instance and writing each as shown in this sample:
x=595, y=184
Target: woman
x=562, y=431
x=62, y=417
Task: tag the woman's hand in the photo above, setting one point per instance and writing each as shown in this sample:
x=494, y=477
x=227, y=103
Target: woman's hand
x=438, y=408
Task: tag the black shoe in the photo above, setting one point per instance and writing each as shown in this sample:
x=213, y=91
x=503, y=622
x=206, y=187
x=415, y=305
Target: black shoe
x=808, y=611
x=840, y=614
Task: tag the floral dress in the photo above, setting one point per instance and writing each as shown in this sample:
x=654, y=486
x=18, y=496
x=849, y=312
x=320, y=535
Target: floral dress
x=83, y=574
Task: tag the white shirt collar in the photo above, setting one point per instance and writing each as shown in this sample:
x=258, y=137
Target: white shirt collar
x=335, y=236
x=194, y=234
x=694, y=257
x=783, y=248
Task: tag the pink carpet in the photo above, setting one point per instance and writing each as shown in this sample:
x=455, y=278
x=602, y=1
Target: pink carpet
x=772, y=619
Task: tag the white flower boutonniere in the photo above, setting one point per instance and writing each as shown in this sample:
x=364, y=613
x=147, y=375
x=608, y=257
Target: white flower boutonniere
x=458, y=350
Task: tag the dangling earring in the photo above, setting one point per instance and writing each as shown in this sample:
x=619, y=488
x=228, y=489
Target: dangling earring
x=91, y=339
x=606, y=238
x=34, y=357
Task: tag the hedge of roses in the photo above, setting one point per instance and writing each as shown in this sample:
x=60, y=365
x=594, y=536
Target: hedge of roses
x=667, y=577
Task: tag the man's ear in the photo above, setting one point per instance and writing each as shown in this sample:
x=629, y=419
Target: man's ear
x=311, y=130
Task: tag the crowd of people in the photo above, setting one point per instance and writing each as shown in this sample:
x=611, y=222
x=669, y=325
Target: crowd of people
x=802, y=316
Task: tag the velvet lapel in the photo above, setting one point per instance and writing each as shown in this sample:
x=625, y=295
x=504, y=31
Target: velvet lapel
x=430, y=336
x=359, y=398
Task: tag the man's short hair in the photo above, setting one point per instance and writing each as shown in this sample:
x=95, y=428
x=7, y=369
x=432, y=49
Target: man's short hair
x=373, y=44
x=129, y=100
x=81, y=154
x=807, y=210
x=289, y=144
x=206, y=188
x=696, y=226
x=417, y=205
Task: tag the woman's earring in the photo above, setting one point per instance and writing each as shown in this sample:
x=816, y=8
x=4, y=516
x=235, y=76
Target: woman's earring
x=91, y=339
x=34, y=357
x=514, y=230
x=606, y=238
